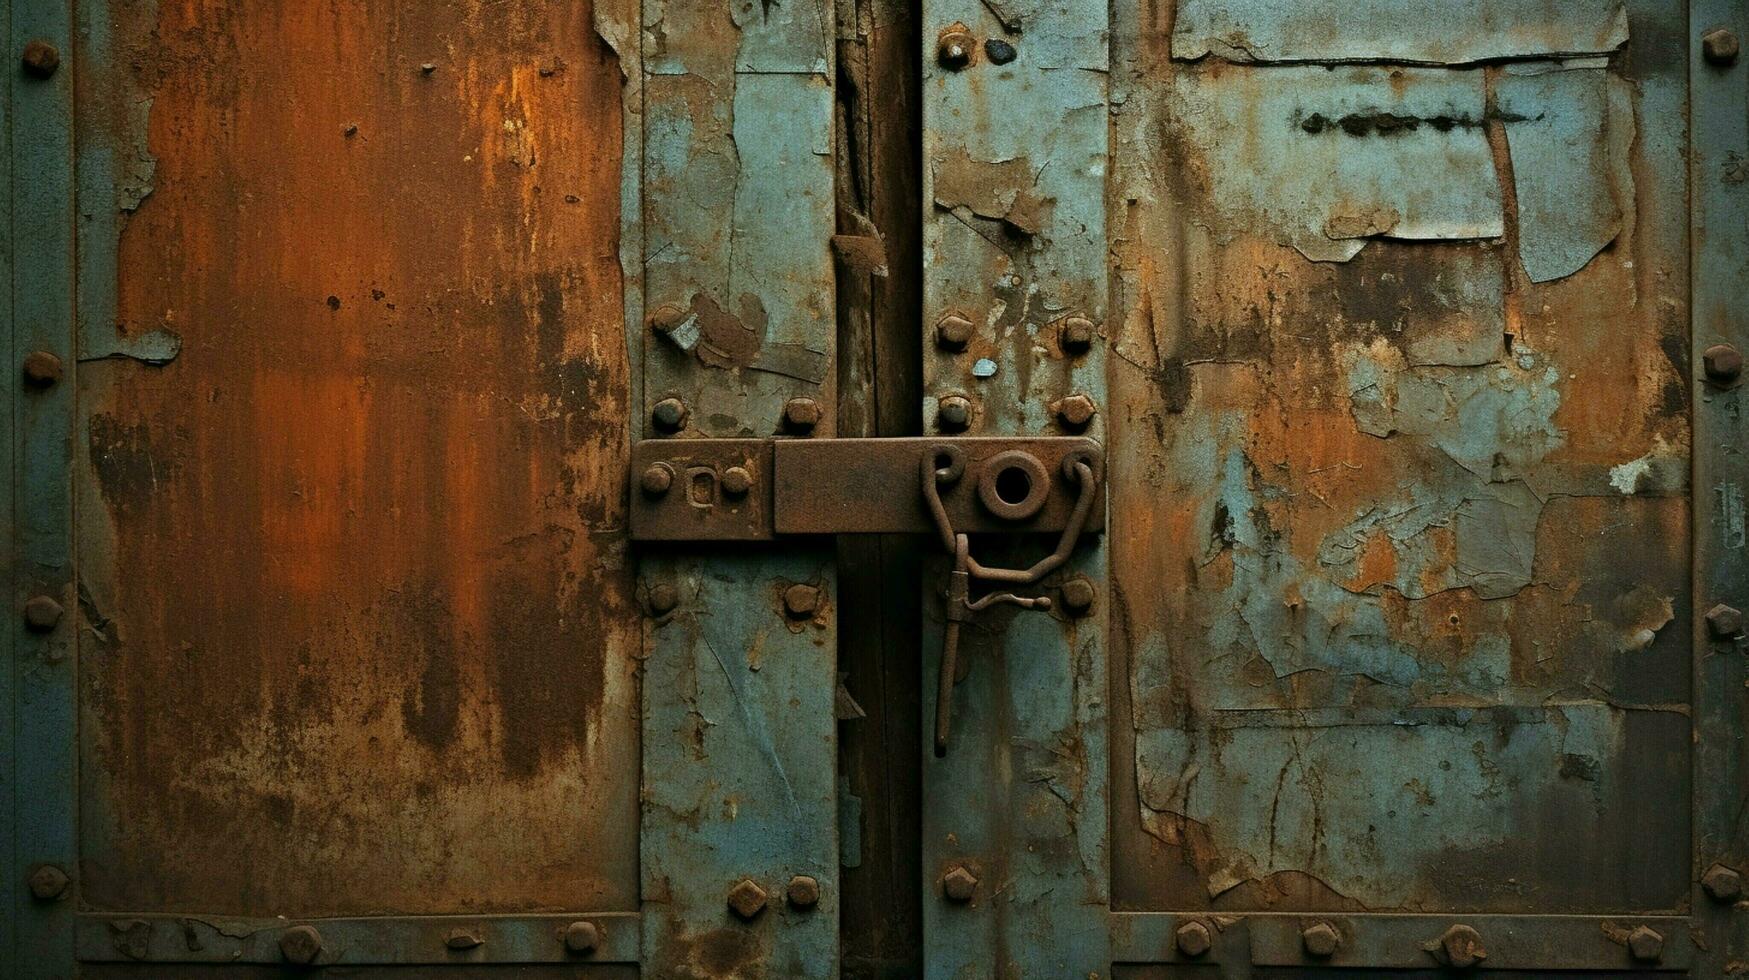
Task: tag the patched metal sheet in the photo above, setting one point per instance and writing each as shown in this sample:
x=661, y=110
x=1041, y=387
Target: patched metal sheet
x=1425, y=31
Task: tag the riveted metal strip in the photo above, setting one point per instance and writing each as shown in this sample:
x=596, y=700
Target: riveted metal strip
x=1015, y=286
x=42, y=665
x=1719, y=175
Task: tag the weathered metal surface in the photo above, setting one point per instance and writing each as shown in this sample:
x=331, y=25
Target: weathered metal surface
x=681, y=490
x=1377, y=646
x=1015, y=152
x=353, y=596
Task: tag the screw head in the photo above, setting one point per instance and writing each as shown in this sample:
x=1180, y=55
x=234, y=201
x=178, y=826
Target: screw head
x=1075, y=336
x=959, y=884
x=801, y=601
x=1193, y=939
x=40, y=58
x=669, y=415
x=953, y=332
x=1078, y=595
x=801, y=414
x=1723, y=363
x=1076, y=411
x=803, y=891
x=1719, y=46
x=48, y=883
x=663, y=598
x=1645, y=944
x=582, y=937
x=747, y=899
x=1463, y=946
x=657, y=478
x=1321, y=940
x=953, y=413
x=300, y=945
x=1722, y=883
x=42, y=613
x=954, y=47
x=41, y=369
x=737, y=481
x=1724, y=622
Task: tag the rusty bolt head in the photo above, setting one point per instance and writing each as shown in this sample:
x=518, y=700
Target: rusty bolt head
x=1078, y=596
x=1076, y=411
x=42, y=613
x=669, y=415
x=582, y=937
x=665, y=318
x=663, y=598
x=1724, y=622
x=803, y=891
x=1645, y=944
x=1719, y=46
x=801, y=601
x=959, y=884
x=1723, y=363
x=41, y=369
x=462, y=937
x=300, y=945
x=1193, y=939
x=48, y=883
x=40, y=59
x=1722, y=883
x=1075, y=336
x=1321, y=940
x=657, y=478
x=737, y=481
x=953, y=332
x=953, y=413
x=1463, y=946
x=801, y=414
x=747, y=899
x=955, y=46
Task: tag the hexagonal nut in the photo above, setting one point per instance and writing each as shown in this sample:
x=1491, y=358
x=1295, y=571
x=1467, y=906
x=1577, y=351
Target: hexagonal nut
x=1724, y=622
x=1719, y=46
x=959, y=884
x=582, y=937
x=953, y=332
x=1076, y=411
x=803, y=891
x=48, y=883
x=41, y=369
x=1075, y=336
x=1722, y=884
x=737, y=481
x=801, y=601
x=953, y=413
x=747, y=899
x=1645, y=944
x=40, y=58
x=1078, y=595
x=42, y=613
x=1463, y=946
x=801, y=414
x=300, y=945
x=1722, y=363
x=955, y=47
x=1193, y=939
x=1321, y=940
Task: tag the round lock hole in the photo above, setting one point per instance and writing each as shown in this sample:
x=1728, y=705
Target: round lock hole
x=1013, y=485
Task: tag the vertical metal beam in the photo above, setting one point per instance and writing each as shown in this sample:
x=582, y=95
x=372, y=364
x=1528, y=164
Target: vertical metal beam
x=1015, y=153
x=42, y=664
x=740, y=738
x=1719, y=141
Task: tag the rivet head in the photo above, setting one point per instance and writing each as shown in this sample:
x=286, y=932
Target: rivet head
x=737, y=481
x=1723, y=363
x=662, y=598
x=48, y=883
x=300, y=945
x=801, y=601
x=40, y=58
x=42, y=613
x=1075, y=336
x=1078, y=595
x=747, y=899
x=801, y=414
x=41, y=369
x=669, y=415
x=954, y=47
x=1000, y=51
x=1722, y=884
x=582, y=937
x=1724, y=622
x=1719, y=45
x=1076, y=411
x=953, y=413
x=959, y=884
x=462, y=937
x=1645, y=944
x=803, y=891
x=1193, y=939
x=1321, y=940
x=657, y=478
x=1463, y=946
x=953, y=332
